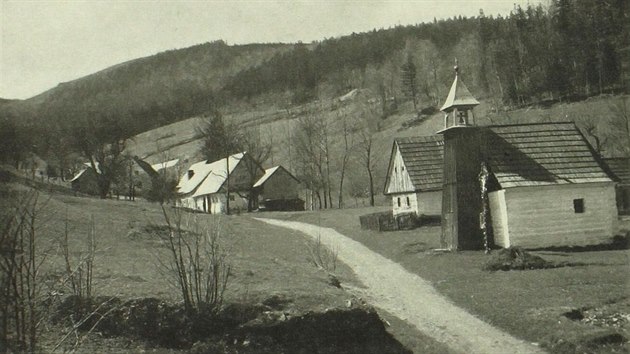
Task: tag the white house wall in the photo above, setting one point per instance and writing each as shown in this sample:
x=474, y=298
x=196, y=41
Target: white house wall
x=423, y=203
x=399, y=180
x=545, y=216
x=404, y=208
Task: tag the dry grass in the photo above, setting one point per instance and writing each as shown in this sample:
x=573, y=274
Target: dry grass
x=268, y=263
x=528, y=304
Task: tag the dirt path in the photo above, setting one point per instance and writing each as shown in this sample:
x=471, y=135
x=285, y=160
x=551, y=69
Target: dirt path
x=413, y=299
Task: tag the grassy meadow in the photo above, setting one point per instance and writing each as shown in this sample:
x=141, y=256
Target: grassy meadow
x=529, y=304
x=267, y=262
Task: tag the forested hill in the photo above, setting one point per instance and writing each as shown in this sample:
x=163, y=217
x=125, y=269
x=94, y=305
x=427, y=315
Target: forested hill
x=150, y=91
x=573, y=49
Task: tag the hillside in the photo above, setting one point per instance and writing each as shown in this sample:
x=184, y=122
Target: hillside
x=277, y=127
x=510, y=63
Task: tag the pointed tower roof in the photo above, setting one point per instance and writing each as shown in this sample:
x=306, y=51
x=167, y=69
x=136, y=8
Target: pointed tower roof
x=458, y=96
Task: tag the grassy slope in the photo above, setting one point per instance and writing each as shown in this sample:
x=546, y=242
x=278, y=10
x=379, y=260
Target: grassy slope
x=527, y=304
x=266, y=261
x=275, y=125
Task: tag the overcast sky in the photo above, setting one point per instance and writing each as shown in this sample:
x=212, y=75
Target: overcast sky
x=44, y=43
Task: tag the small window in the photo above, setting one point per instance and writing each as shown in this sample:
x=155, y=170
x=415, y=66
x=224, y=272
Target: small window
x=232, y=197
x=408, y=204
x=578, y=205
x=395, y=169
x=402, y=168
x=191, y=173
x=398, y=201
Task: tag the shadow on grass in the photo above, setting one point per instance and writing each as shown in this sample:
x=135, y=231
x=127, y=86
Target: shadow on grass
x=619, y=242
x=515, y=258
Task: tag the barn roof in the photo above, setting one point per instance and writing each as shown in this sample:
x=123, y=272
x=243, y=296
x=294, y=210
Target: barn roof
x=541, y=154
x=88, y=166
x=269, y=172
x=165, y=164
x=459, y=96
x=217, y=175
x=620, y=167
x=424, y=158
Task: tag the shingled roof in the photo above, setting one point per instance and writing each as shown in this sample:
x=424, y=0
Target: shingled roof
x=620, y=167
x=424, y=158
x=541, y=154
x=459, y=96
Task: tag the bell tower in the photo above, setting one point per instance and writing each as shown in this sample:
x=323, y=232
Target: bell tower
x=461, y=191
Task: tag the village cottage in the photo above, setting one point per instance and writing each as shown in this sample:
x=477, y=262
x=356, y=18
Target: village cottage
x=532, y=185
x=414, y=176
x=204, y=185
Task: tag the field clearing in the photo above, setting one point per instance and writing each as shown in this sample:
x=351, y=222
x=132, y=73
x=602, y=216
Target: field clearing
x=527, y=304
x=266, y=261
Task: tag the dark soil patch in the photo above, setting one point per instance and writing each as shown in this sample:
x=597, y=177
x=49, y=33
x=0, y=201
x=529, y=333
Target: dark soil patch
x=235, y=328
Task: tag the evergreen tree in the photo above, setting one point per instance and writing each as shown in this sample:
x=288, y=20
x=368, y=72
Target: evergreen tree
x=409, y=83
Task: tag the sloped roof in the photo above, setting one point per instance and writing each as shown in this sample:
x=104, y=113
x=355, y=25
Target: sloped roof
x=268, y=173
x=424, y=159
x=200, y=171
x=217, y=175
x=78, y=175
x=459, y=96
x=165, y=164
x=541, y=154
x=620, y=167
x=88, y=166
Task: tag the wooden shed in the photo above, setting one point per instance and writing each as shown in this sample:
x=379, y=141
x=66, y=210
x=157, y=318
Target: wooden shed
x=414, y=176
x=278, y=189
x=85, y=181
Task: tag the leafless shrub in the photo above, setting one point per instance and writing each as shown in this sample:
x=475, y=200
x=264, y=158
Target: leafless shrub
x=321, y=256
x=78, y=272
x=199, y=260
x=20, y=293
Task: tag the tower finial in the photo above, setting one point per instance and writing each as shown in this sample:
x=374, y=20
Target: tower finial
x=456, y=67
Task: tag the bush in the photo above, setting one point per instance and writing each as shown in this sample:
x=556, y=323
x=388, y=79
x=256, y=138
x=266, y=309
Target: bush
x=515, y=258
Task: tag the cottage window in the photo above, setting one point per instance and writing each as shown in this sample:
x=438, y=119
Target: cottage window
x=190, y=174
x=398, y=201
x=578, y=205
x=408, y=204
x=395, y=169
x=232, y=197
x=402, y=168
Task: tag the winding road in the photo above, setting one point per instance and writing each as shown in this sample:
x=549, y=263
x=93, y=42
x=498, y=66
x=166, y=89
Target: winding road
x=413, y=299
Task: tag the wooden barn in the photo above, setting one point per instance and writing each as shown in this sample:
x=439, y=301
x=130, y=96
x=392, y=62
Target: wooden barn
x=85, y=181
x=414, y=176
x=620, y=168
x=278, y=189
x=204, y=185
